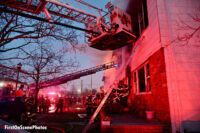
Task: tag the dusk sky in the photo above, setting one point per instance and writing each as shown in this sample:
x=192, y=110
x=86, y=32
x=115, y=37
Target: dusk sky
x=89, y=58
x=92, y=57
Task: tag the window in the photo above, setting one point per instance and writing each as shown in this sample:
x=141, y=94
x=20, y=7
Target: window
x=138, y=9
x=135, y=80
x=143, y=16
x=142, y=79
x=148, y=85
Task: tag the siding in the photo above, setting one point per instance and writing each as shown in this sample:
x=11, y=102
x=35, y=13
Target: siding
x=182, y=61
x=151, y=35
x=150, y=49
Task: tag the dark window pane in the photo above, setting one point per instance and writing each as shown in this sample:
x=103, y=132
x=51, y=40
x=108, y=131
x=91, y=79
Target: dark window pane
x=148, y=73
x=143, y=16
x=135, y=77
x=141, y=76
x=148, y=78
x=148, y=85
x=145, y=13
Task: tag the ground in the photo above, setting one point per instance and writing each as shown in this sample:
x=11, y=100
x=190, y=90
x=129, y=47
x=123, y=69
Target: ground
x=69, y=121
x=74, y=120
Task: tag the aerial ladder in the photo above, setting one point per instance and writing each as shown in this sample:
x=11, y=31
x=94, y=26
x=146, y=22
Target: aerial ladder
x=72, y=76
x=103, y=30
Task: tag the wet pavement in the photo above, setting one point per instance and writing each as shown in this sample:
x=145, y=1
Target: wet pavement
x=73, y=119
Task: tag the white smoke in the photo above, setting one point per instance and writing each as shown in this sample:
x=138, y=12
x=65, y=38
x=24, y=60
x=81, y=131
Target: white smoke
x=123, y=4
x=99, y=57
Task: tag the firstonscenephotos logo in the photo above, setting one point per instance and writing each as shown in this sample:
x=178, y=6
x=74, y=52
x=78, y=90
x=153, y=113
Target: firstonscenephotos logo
x=21, y=127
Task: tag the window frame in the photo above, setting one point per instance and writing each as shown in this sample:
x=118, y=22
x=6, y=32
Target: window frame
x=136, y=80
x=143, y=19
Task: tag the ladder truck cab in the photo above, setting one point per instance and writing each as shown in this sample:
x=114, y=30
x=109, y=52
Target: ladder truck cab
x=104, y=30
x=116, y=34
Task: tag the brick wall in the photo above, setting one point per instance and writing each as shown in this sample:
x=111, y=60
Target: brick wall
x=157, y=100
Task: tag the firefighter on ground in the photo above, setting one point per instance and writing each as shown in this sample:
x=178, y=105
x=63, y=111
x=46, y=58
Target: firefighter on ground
x=41, y=102
x=121, y=94
x=30, y=117
x=47, y=104
x=59, y=105
x=97, y=100
x=89, y=104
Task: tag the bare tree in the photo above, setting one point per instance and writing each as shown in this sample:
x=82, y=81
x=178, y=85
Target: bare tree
x=45, y=62
x=189, y=29
x=7, y=73
x=17, y=32
x=28, y=41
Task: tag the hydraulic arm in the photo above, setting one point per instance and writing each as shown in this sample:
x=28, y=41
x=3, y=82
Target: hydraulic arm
x=103, y=30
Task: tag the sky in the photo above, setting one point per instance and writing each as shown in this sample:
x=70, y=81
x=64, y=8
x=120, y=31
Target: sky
x=91, y=57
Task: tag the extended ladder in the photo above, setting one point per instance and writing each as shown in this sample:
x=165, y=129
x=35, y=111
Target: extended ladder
x=76, y=75
x=64, y=10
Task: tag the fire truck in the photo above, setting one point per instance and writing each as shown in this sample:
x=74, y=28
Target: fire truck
x=8, y=89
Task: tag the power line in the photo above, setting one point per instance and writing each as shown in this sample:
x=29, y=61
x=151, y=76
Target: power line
x=45, y=20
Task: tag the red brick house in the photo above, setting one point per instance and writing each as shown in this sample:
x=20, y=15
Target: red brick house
x=163, y=72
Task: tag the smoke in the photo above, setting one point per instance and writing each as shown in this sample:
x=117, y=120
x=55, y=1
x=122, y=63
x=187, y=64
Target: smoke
x=121, y=3
x=99, y=57
x=113, y=75
x=109, y=78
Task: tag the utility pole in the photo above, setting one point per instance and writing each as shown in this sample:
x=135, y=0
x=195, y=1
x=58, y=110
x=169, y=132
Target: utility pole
x=19, y=65
x=91, y=83
x=81, y=86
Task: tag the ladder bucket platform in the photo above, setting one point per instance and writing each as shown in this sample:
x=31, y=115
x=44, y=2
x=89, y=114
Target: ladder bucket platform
x=112, y=41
